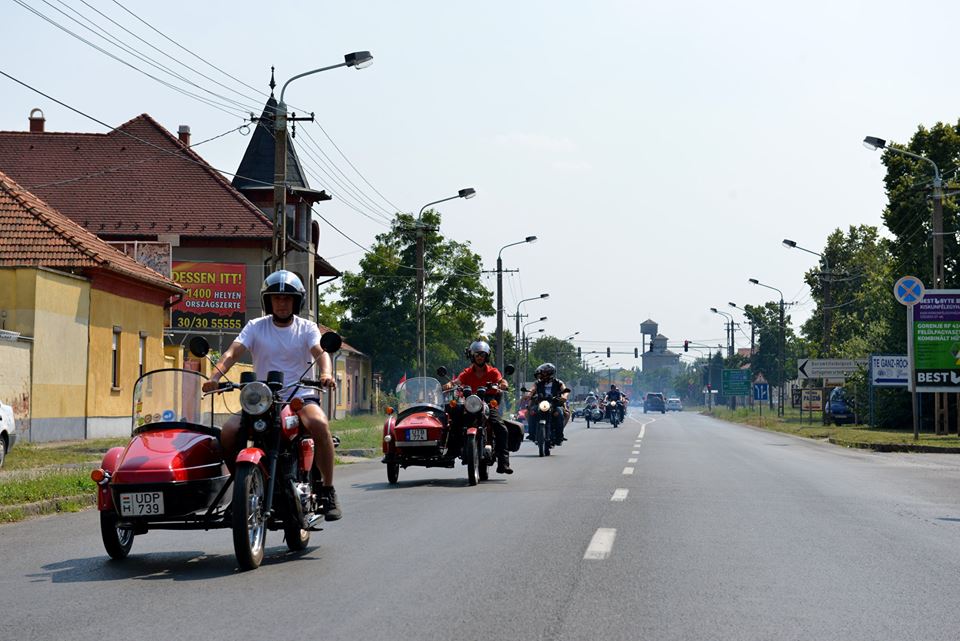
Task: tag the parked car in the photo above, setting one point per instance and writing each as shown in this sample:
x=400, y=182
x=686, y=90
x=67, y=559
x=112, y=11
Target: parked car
x=839, y=408
x=674, y=405
x=654, y=402
x=8, y=431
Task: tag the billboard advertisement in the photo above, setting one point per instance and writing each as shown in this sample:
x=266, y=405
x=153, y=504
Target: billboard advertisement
x=935, y=341
x=216, y=297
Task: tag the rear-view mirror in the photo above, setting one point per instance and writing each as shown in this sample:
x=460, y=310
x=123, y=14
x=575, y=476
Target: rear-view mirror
x=199, y=346
x=331, y=342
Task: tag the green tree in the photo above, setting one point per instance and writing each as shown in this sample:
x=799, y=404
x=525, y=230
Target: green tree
x=381, y=299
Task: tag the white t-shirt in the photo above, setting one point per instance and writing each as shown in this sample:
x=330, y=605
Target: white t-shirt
x=284, y=349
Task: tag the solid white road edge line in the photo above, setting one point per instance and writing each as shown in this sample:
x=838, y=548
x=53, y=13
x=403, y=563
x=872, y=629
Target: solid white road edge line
x=601, y=544
x=619, y=494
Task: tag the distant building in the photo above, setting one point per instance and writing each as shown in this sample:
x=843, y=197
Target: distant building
x=659, y=357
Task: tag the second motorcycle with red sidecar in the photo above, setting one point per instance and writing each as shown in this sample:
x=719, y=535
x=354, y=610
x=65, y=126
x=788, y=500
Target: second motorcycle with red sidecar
x=426, y=430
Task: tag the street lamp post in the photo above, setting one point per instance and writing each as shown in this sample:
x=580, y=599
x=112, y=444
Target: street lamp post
x=523, y=341
x=825, y=276
x=729, y=328
x=753, y=327
x=467, y=193
x=528, y=239
x=783, y=368
x=874, y=143
x=516, y=338
x=357, y=60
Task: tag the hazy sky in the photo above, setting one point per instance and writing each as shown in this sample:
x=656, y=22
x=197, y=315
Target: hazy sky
x=660, y=150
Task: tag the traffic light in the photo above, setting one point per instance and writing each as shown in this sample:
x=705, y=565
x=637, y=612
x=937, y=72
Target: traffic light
x=636, y=352
x=578, y=354
x=686, y=346
x=608, y=352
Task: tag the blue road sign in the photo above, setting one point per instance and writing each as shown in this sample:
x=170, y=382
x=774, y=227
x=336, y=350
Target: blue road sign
x=909, y=290
x=761, y=392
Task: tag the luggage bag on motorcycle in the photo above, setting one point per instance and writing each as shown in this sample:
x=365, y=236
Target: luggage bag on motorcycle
x=514, y=434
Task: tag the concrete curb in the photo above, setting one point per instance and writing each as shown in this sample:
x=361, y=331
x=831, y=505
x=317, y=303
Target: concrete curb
x=895, y=447
x=51, y=506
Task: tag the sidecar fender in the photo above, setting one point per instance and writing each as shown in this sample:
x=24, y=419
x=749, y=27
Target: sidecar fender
x=109, y=464
x=388, y=425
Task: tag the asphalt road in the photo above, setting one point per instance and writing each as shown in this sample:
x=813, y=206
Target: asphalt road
x=670, y=527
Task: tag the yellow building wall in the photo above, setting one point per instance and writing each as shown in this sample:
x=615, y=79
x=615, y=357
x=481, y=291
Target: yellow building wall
x=61, y=313
x=132, y=317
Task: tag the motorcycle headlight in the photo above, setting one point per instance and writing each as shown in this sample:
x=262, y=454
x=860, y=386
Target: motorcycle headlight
x=544, y=406
x=473, y=404
x=256, y=398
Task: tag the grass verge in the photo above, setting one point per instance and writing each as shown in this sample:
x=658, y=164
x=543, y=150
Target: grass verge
x=362, y=432
x=848, y=435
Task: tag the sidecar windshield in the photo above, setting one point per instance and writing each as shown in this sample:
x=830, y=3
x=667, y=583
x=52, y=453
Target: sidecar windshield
x=171, y=396
x=420, y=391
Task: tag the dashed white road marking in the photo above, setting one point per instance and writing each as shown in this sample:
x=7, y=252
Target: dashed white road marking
x=635, y=452
x=601, y=544
x=619, y=494
x=627, y=471
x=631, y=460
x=643, y=429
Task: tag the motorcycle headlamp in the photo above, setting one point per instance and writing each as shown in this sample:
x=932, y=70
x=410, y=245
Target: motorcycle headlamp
x=474, y=404
x=544, y=406
x=256, y=398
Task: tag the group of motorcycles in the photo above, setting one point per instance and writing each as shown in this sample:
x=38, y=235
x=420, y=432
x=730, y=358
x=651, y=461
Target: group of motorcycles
x=172, y=474
x=596, y=411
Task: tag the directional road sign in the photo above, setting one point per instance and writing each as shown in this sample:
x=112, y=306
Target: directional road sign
x=828, y=367
x=761, y=392
x=889, y=371
x=735, y=382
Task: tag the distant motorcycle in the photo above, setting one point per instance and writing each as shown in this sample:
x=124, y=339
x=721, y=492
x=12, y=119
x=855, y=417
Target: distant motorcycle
x=592, y=414
x=614, y=412
x=546, y=410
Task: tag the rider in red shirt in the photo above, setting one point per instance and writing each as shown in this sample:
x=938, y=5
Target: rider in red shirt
x=481, y=374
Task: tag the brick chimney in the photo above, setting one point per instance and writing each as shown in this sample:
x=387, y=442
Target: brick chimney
x=36, y=121
x=183, y=133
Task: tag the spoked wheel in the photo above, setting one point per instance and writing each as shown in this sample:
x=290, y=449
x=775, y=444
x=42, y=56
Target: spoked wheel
x=471, y=458
x=393, y=473
x=116, y=540
x=483, y=470
x=296, y=537
x=249, y=520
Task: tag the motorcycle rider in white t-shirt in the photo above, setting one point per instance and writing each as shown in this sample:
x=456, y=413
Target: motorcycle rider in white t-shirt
x=285, y=342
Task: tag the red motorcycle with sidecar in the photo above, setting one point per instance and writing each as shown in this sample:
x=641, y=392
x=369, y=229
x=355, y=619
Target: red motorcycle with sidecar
x=427, y=431
x=172, y=474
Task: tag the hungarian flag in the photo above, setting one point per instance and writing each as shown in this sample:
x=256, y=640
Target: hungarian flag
x=403, y=379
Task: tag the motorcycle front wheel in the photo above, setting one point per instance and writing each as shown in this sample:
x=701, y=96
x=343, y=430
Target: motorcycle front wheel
x=471, y=459
x=117, y=541
x=249, y=520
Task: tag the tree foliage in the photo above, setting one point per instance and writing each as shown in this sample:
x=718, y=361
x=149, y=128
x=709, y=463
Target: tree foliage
x=380, y=300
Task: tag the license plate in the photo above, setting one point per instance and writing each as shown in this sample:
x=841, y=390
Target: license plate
x=141, y=504
x=417, y=435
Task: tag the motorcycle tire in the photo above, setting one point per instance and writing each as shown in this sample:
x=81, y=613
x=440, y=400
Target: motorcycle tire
x=249, y=521
x=542, y=445
x=484, y=471
x=117, y=541
x=296, y=537
x=393, y=473
x=471, y=459
x=588, y=423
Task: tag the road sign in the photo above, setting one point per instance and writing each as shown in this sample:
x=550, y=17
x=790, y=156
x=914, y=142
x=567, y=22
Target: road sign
x=889, y=371
x=812, y=400
x=908, y=290
x=735, y=382
x=761, y=392
x=829, y=367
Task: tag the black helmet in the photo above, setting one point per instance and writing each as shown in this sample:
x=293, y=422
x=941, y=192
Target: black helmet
x=612, y=386
x=479, y=347
x=282, y=282
x=545, y=371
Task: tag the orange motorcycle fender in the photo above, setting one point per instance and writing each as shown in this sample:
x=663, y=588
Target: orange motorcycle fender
x=388, y=425
x=471, y=431
x=252, y=455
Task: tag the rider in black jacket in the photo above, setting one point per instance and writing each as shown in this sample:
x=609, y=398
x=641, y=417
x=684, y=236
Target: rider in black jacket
x=618, y=397
x=547, y=387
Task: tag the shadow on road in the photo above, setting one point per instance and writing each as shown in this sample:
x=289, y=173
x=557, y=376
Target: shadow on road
x=163, y=566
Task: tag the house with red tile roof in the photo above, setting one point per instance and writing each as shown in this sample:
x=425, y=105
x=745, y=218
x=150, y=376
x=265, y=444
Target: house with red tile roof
x=145, y=188
x=81, y=321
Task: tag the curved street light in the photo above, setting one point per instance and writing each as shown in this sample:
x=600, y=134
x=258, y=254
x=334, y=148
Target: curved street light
x=728, y=328
x=783, y=367
x=825, y=275
x=528, y=239
x=516, y=338
x=466, y=194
